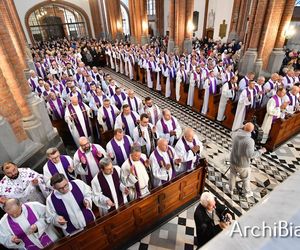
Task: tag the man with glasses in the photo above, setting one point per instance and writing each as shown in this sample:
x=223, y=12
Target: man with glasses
x=58, y=163
x=86, y=159
x=69, y=205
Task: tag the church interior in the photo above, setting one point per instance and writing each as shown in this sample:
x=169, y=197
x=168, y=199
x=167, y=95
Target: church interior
x=136, y=105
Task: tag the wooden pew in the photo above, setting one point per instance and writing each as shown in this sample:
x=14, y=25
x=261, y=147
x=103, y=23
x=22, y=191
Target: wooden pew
x=282, y=130
x=154, y=79
x=229, y=113
x=213, y=105
x=198, y=99
x=135, y=72
x=173, y=89
x=163, y=80
x=184, y=90
x=141, y=72
x=120, y=228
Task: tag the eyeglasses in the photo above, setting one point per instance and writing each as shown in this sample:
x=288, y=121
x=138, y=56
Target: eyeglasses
x=66, y=186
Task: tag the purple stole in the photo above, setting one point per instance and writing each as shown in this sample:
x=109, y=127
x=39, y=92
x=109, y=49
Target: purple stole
x=137, y=186
x=78, y=77
x=135, y=101
x=165, y=127
x=53, y=170
x=61, y=210
x=18, y=231
x=118, y=101
x=277, y=105
x=76, y=120
x=79, y=96
x=249, y=94
x=272, y=85
x=54, y=110
x=107, y=120
x=183, y=76
x=106, y=190
x=172, y=73
x=59, y=88
x=162, y=162
x=292, y=102
x=38, y=89
x=111, y=91
x=32, y=84
x=87, y=86
x=231, y=75
x=247, y=81
x=118, y=152
x=124, y=120
x=212, y=90
x=96, y=157
x=150, y=66
x=41, y=72
x=97, y=100
x=187, y=148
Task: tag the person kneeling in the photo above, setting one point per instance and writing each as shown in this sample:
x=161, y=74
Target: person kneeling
x=211, y=217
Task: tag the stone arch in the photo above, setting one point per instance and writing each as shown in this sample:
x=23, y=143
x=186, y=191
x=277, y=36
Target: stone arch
x=57, y=2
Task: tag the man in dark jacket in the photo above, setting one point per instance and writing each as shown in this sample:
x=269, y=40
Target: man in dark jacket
x=211, y=217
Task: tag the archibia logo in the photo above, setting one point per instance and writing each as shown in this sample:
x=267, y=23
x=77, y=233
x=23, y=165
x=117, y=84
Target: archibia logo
x=280, y=229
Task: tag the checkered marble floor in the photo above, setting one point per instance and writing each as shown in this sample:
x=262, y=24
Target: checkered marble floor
x=266, y=172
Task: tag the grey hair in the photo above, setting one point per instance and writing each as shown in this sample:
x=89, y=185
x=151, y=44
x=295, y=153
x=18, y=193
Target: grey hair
x=135, y=148
x=51, y=151
x=16, y=201
x=205, y=198
x=104, y=162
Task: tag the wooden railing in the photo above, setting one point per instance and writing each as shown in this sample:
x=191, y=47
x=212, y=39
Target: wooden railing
x=120, y=227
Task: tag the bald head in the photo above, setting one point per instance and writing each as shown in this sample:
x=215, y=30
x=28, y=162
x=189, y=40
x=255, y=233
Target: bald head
x=249, y=127
x=162, y=144
x=13, y=207
x=189, y=134
x=84, y=144
x=74, y=100
x=167, y=114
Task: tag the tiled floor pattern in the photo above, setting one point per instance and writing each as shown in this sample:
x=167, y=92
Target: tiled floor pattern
x=267, y=172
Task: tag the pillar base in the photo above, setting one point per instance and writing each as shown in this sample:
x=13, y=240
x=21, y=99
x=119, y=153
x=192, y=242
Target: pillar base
x=133, y=40
x=119, y=36
x=275, y=60
x=187, y=45
x=248, y=61
x=171, y=45
x=144, y=40
x=233, y=35
x=258, y=67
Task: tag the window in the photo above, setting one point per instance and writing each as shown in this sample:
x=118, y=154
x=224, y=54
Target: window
x=56, y=21
x=297, y=3
x=125, y=20
x=151, y=7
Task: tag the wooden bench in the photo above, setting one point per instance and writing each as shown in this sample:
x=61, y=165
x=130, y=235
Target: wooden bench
x=122, y=227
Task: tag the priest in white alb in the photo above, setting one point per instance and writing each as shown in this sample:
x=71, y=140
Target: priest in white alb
x=152, y=110
x=164, y=163
x=69, y=206
x=118, y=148
x=58, y=163
x=86, y=159
x=189, y=149
x=78, y=116
x=134, y=102
x=127, y=120
x=275, y=107
x=24, y=226
x=134, y=173
x=210, y=86
x=168, y=127
x=107, y=115
x=109, y=193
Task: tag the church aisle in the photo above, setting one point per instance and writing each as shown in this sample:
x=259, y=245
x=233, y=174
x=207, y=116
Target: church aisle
x=267, y=172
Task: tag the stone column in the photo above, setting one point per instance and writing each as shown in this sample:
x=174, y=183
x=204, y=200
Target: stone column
x=171, y=42
x=114, y=17
x=180, y=25
x=277, y=54
x=144, y=22
x=205, y=18
x=187, y=45
x=253, y=32
x=160, y=17
x=95, y=13
x=234, y=20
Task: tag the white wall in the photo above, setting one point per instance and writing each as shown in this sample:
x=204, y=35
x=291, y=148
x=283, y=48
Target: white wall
x=223, y=11
x=200, y=7
x=23, y=6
